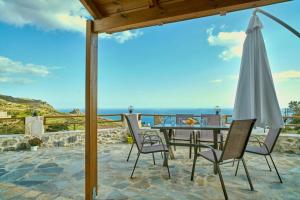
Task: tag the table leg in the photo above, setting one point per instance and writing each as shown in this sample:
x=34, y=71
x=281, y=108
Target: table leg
x=170, y=153
x=216, y=132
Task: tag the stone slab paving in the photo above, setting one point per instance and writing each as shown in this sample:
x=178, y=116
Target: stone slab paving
x=57, y=174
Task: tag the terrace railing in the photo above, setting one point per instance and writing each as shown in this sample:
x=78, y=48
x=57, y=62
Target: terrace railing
x=12, y=125
x=286, y=119
x=160, y=118
x=76, y=122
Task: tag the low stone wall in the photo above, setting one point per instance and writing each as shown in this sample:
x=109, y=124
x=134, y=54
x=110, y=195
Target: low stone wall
x=62, y=139
x=288, y=143
x=74, y=138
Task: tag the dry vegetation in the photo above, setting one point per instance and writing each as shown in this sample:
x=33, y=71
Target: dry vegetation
x=19, y=108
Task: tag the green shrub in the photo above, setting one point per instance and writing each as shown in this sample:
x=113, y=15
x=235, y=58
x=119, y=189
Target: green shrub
x=294, y=107
x=35, y=141
x=56, y=128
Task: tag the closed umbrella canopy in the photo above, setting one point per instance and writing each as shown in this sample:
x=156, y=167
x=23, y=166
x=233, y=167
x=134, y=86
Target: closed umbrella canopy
x=256, y=96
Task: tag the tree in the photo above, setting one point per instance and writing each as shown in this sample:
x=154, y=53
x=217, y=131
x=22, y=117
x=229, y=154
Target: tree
x=294, y=107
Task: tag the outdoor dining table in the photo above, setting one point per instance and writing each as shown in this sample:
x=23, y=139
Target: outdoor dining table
x=167, y=130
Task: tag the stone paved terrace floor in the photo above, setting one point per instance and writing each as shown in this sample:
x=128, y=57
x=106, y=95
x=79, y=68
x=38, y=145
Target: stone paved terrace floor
x=57, y=173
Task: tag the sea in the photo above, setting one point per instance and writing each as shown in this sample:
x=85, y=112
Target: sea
x=148, y=120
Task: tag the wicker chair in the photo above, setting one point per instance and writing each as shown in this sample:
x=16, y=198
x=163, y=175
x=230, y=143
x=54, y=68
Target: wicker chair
x=183, y=135
x=234, y=148
x=265, y=148
x=140, y=141
x=206, y=136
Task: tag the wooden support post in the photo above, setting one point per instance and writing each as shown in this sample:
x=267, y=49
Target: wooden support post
x=91, y=184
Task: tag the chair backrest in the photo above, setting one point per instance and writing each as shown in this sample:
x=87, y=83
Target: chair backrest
x=181, y=117
x=132, y=121
x=272, y=137
x=212, y=119
x=237, y=139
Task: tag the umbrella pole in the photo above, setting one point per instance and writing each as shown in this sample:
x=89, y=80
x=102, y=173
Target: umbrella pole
x=285, y=25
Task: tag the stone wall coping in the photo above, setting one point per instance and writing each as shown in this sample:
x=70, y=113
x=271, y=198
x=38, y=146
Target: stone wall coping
x=12, y=135
x=81, y=131
x=291, y=135
x=63, y=132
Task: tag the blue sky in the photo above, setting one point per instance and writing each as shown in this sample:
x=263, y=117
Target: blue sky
x=191, y=64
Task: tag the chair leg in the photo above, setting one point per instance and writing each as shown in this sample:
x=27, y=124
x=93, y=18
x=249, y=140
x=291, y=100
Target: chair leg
x=222, y=181
x=153, y=158
x=130, y=151
x=275, y=168
x=221, y=144
x=198, y=142
x=237, y=168
x=167, y=164
x=190, y=153
x=268, y=163
x=135, y=164
x=233, y=162
x=161, y=155
x=195, y=142
x=194, y=164
x=247, y=173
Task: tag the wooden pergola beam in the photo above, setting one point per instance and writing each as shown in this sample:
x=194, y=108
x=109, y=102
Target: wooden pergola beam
x=153, y=3
x=91, y=178
x=93, y=10
x=167, y=13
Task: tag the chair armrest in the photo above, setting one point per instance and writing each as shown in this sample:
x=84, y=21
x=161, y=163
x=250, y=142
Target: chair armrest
x=154, y=136
x=211, y=148
x=259, y=142
x=149, y=131
x=256, y=139
x=151, y=137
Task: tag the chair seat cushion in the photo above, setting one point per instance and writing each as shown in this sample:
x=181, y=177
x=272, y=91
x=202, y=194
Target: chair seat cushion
x=210, y=156
x=257, y=150
x=154, y=148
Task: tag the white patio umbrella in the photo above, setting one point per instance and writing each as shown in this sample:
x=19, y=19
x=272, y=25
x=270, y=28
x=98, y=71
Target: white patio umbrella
x=256, y=96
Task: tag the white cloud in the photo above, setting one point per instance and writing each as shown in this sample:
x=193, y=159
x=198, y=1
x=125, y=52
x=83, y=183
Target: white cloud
x=122, y=37
x=17, y=72
x=49, y=15
x=217, y=81
x=286, y=75
x=9, y=66
x=15, y=80
x=231, y=41
x=278, y=76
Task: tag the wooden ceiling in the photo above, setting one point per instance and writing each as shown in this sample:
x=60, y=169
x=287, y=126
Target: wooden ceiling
x=119, y=15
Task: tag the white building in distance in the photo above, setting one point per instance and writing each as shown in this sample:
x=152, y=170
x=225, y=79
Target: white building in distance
x=3, y=114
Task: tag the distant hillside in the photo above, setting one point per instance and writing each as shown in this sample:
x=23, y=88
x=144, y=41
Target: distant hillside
x=20, y=107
